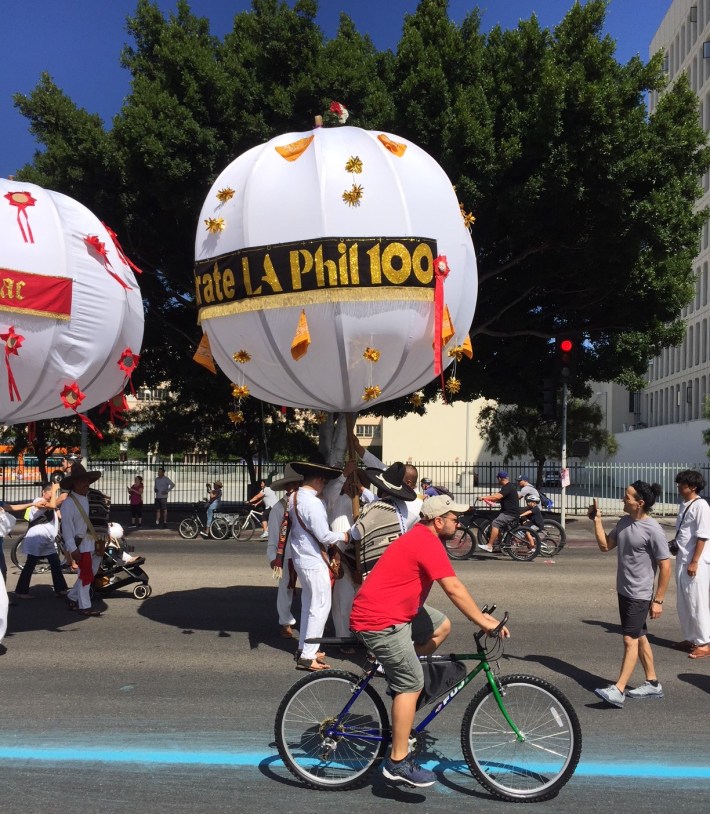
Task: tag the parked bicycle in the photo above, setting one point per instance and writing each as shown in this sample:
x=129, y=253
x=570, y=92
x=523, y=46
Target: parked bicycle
x=520, y=735
x=240, y=526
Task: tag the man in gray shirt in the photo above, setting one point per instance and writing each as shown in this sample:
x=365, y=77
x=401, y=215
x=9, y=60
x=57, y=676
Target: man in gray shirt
x=642, y=550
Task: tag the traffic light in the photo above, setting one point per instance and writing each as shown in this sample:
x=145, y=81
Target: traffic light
x=565, y=357
x=547, y=398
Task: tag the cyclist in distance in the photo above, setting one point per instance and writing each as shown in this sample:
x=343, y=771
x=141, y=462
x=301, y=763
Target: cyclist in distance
x=391, y=619
x=507, y=496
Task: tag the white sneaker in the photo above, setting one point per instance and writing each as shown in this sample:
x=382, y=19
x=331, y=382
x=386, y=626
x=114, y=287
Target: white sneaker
x=264, y=536
x=612, y=695
x=485, y=548
x=646, y=690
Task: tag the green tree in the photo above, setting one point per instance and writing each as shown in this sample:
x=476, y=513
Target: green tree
x=584, y=202
x=515, y=431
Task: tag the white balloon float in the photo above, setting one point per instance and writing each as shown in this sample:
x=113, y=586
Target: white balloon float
x=320, y=258
x=71, y=313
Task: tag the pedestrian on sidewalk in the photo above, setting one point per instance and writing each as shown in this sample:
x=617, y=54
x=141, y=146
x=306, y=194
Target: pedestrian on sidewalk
x=692, y=565
x=642, y=549
x=135, y=498
x=163, y=487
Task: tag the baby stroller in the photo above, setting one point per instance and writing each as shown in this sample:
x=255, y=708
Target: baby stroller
x=116, y=570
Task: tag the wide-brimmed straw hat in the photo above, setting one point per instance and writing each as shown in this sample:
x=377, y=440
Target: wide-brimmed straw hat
x=290, y=476
x=310, y=470
x=78, y=472
x=391, y=481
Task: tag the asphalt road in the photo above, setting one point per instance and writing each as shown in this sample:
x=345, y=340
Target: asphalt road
x=167, y=705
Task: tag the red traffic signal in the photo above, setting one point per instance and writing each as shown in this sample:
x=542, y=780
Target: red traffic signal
x=565, y=357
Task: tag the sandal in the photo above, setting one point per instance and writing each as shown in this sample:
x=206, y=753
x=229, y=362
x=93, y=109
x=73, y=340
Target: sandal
x=88, y=612
x=348, y=651
x=313, y=666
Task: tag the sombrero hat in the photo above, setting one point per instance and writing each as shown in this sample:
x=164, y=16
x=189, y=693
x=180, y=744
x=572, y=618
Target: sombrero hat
x=391, y=481
x=78, y=472
x=289, y=476
x=309, y=470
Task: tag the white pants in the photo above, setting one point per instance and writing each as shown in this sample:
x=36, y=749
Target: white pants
x=81, y=594
x=315, y=607
x=344, y=592
x=693, y=602
x=284, y=596
x=4, y=602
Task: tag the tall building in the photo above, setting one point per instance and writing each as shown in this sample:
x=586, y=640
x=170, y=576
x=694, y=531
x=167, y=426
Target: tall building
x=666, y=417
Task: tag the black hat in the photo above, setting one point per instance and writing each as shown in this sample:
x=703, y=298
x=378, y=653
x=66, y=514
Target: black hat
x=309, y=470
x=78, y=473
x=391, y=481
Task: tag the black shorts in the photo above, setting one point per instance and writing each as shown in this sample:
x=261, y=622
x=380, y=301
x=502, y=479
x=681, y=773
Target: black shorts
x=137, y=510
x=633, y=614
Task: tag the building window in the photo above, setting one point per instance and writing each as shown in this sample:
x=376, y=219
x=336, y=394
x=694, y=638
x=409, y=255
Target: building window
x=365, y=430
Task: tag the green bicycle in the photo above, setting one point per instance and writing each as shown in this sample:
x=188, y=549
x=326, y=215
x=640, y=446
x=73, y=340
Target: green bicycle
x=519, y=734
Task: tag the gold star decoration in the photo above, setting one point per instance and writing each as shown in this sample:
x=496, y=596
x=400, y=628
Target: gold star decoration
x=225, y=194
x=468, y=217
x=416, y=400
x=241, y=356
x=371, y=354
x=240, y=391
x=214, y=225
x=371, y=393
x=353, y=196
x=457, y=352
x=354, y=165
x=453, y=385
x=236, y=417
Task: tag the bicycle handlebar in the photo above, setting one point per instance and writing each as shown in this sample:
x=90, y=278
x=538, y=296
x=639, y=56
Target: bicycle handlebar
x=495, y=633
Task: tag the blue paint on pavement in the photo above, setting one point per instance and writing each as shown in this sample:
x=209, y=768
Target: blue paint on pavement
x=659, y=771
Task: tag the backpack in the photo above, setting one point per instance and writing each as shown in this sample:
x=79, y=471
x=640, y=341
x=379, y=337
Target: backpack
x=546, y=502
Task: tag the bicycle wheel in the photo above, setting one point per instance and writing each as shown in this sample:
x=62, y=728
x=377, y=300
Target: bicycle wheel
x=219, y=528
x=552, y=538
x=313, y=749
x=534, y=768
x=517, y=543
x=460, y=545
x=245, y=527
x=189, y=528
x=484, y=531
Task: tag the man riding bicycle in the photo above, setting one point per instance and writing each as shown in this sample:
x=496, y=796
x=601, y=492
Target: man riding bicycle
x=391, y=619
x=507, y=496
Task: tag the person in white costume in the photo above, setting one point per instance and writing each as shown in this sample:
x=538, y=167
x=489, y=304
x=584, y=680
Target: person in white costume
x=284, y=596
x=692, y=565
x=309, y=538
x=78, y=542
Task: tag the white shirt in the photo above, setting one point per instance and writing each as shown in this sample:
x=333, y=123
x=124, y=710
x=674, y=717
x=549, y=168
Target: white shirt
x=73, y=524
x=275, y=518
x=305, y=551
x=270, y=497
x=696, y=525
x=39, y=540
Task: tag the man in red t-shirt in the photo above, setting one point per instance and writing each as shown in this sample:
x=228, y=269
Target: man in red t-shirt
x=390, y=617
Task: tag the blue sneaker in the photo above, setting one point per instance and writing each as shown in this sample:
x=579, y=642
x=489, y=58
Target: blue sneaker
x=408, y=771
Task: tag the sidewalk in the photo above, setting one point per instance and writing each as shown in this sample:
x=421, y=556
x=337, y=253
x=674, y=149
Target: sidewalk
x=581, y=529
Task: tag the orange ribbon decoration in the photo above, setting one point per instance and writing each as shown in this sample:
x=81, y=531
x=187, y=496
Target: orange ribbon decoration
x=72, y=397
x=13, y=342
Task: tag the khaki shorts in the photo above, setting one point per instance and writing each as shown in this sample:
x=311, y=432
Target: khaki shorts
x=394, y=648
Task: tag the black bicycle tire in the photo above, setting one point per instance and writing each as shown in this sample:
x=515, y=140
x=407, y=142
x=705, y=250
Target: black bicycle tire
x=248, y=529
x=511, y=549
x=559, y=544
x=189, y=528
x=347, y=680
x=460, y=546
x=219, y=528
x=496, y=784
x=483, y=535
x=19, y=559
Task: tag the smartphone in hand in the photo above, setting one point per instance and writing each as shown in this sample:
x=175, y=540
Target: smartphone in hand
x=593, y=509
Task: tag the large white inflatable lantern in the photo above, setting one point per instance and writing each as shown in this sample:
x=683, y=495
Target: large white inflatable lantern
x=71, y=313
x=327, y=264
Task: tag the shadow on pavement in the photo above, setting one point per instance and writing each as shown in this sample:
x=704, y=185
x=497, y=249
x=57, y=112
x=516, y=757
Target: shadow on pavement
x=699, y=680
x=234, y=609
x=585, y=679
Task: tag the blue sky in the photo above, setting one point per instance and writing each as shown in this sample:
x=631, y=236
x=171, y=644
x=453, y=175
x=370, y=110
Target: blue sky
x=79, y=42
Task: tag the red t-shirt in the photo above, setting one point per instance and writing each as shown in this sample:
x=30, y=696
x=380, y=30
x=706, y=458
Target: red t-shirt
x=399, y=584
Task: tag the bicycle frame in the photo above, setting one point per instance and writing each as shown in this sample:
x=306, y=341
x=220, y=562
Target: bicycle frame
x=334, y=729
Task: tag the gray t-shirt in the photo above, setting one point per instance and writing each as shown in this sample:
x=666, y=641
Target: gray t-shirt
x=640, y=544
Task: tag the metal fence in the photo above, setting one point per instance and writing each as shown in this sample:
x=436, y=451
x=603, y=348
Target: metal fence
x=466, y=481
